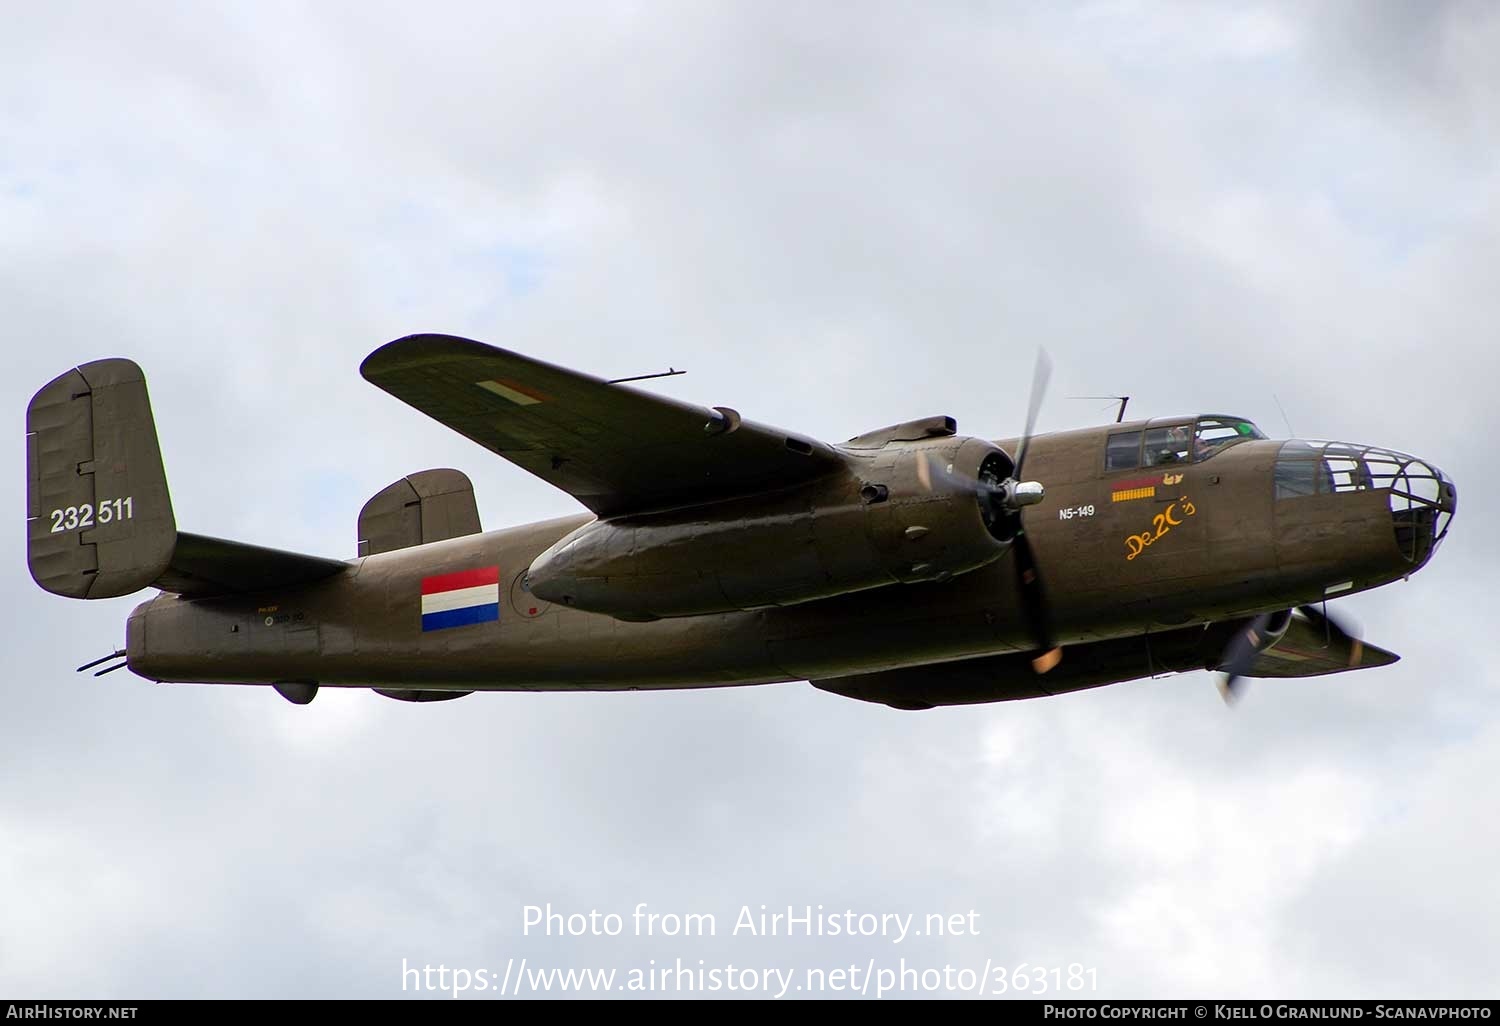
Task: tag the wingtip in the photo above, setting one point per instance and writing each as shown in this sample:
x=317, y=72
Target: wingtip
x=418, y=348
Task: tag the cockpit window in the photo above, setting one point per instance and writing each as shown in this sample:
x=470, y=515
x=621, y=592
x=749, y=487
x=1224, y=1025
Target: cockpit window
x=1184, y=442
x=1123, y=451
x=1168, y=445
x=1215, y=433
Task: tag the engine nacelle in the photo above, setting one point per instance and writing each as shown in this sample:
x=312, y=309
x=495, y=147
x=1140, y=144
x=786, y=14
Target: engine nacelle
x=940, y=515
x=924, y=510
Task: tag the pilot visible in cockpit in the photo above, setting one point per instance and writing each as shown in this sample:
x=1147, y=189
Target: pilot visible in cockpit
x=1173, y=448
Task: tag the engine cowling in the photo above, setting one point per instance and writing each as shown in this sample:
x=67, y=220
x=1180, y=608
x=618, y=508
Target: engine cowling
x=905, y=512
x=941, y=516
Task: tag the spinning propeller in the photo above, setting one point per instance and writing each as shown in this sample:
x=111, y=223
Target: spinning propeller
x=1026, y=493
x=1006, y=498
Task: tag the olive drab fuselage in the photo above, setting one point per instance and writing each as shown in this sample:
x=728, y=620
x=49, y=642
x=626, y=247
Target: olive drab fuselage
x=1193, y=543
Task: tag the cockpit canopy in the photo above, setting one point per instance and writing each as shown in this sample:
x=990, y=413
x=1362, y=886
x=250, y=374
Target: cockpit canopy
x=1176, y=441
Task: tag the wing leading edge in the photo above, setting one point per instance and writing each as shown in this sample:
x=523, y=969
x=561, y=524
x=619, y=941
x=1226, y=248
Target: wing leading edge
x=615, y=449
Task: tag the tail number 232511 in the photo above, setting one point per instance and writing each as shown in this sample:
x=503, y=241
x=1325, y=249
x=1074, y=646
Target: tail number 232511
x=76, y=518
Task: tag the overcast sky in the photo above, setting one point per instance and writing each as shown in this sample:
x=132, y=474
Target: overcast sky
x=835, y=216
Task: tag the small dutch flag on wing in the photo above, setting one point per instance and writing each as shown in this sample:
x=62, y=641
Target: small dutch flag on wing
x=460, y=599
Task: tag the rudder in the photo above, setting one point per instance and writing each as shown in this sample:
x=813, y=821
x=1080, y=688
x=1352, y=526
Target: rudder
x=99, y=517
x=428, y=506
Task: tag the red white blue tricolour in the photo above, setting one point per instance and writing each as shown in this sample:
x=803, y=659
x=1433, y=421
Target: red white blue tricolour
x=460, y=599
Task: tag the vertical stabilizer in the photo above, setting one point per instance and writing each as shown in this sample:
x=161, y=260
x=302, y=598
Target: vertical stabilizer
x=98, y=516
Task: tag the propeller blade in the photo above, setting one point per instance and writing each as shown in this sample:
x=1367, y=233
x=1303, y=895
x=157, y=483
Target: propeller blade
x=1039, y=379
x=1034, y=605
x=1239, y=655
x=1335, y=630
x=930, y=471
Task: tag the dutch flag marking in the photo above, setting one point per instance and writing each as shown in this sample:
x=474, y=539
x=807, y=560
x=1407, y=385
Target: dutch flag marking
x=460, y=599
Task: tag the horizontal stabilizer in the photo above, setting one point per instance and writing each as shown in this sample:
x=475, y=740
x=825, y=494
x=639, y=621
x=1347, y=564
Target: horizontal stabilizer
x=203, y=566
x=99, y=516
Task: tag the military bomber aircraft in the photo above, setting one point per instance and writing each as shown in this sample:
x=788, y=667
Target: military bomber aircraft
x=909, y=565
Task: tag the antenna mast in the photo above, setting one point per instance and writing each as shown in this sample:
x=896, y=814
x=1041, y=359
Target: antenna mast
x=1121, y=399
